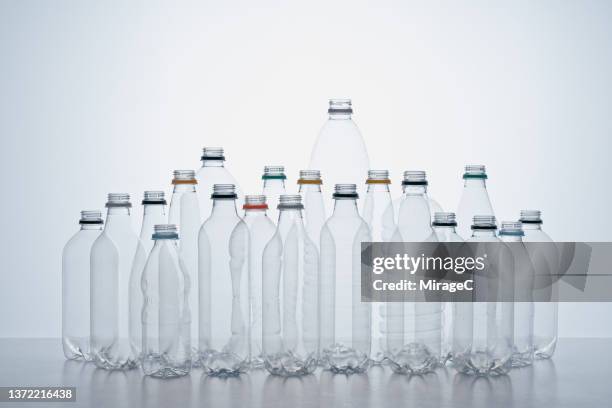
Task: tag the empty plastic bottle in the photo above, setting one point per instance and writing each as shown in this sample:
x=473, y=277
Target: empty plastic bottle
x=260, y=230
x=340, y=152
x=314, y=208
x=444, y=228
x=273, y=187
x=290, y=295
x=512, y=233
x=345, y=320
x=154, y=213
x=379, y=217
x=114, y=332
x=414, y=218
x=185, y=213
x=166, y=318
x=545, y=259
x=212, y=172
x=474, y=198
x=223, y=288
x=483, y=330
x=75, y=286
x=394, y=208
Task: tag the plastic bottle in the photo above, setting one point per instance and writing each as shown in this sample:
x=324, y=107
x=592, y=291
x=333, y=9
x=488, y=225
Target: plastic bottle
x=185, y=213
x=75, y=286
x=114, y=333
x=345, y=320
x=314, y=208
x=414, y=218
x=340, y=134
x=154, y=203
x=512, y=233
x=474, y=198
x=545, y=259
x=290, y=295
x=273, y=187
x=260, y=230
x=223, y=288
x=483, y=331
x=212, y=172
x=434, y=206
x=166, y=334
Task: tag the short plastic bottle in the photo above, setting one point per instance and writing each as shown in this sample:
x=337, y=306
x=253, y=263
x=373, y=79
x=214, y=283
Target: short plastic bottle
x=154, y=212
x=166, y=334
x=273, y=187
x=290, y=295
x=310, y=186
x=345, y=319
x=474, y=198
x=114, y=333
x=545, y=259
x=223, y=288
x=75, y=286
x=213, y=171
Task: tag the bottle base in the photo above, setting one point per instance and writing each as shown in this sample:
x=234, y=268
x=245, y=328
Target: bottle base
x=340, y=359
x=482, y=364
x=289, y=365
x=522, y=359
x=413, y=358
x=223, y=364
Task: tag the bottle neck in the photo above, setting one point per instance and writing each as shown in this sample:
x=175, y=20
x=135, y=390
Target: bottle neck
x=475, y=183
x=511, y=238
x=309, y=188
x=154, y=209
x=444, y=229
x=223, y=207
x=254, y=213
x=345, y=208
x=117, y=217
x=414, y=190
x=384, y=188
x=484, y=234
x=184, y=188
x=212, y=163
x=339, y=116
x=92, y=227
x=287, y=216
x=274, y=184
x=532, y=226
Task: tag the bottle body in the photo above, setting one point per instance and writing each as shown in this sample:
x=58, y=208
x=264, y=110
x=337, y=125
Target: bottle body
x=114, y=333
x=166, y=334
x=223, y=289
x=345, y=320
x=474, y=199
x=290, y=295
x=76, y=287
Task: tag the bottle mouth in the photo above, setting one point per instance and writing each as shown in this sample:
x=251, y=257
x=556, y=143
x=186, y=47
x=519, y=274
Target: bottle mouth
x=154, y=197
x=184, y=177
x=212, y=153
x=290, y=202
x=224, y=191
x=475, y=171
x=484, y=222
x=91, y=217
x=118, y=200
x=340, y=106
x=511, y=228
x=255, y=202
x=444, y=219
x=414, y=178
x=165, y=231
x=274, y=173
x=531, y=217
x=378, y=177
x=345, y=192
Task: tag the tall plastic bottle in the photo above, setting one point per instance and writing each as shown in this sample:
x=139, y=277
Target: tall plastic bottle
x=260, y=230
x=474, y=198
x=75, y=287
x=483, y=333
x=154, y=203
x=290, y=295
x=345, y=320
x=545, y=259
x=114, y=334
x=379, y=217
x=166, y=334
x=314, y=208
x=414, y=333
x=273, y=187
x=444, y=228
x=223, y=288
x=512, y=233
x=212, y=172
x=340, y=134
x=185, y=213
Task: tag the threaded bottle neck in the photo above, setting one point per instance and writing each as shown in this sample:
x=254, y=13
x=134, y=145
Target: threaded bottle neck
x=340, y=109
x=165, y=231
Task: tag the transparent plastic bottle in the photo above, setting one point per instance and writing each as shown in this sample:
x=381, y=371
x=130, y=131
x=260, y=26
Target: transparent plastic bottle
x=290, y=295
x=414, y=332
x=314, y=208
x=474, y=198
x=394, y=208
x=273, y=187
x=154, y=203
x=223, y=288
x=75, y=286
x=380, y=219
x=512, y=233
x=340, y=134
x=185, y=213
x=483, y=331
x=212, y=172
x=345, y=320
x=113, y=254
x=444, y=228
x=260, y=230
x=166, y=334
x=546, y=260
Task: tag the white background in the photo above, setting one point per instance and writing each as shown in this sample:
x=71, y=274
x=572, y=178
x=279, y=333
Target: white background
x=100, y=96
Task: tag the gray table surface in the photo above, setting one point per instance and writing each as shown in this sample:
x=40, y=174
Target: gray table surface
x=580, y=375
